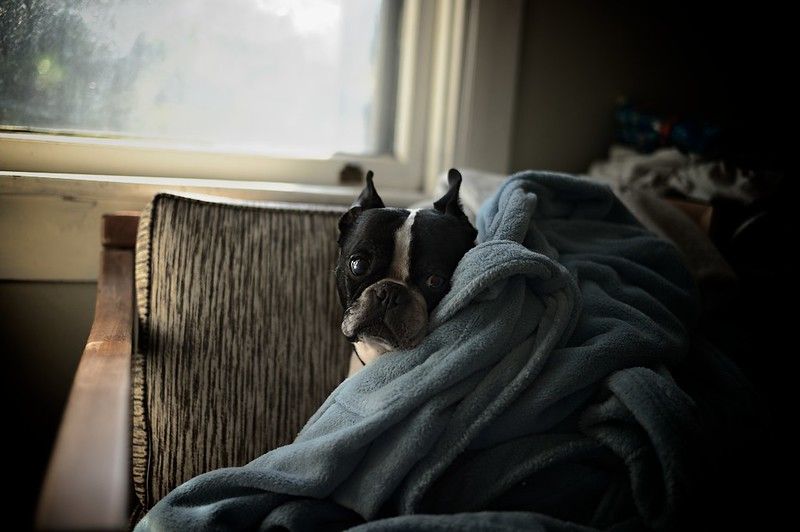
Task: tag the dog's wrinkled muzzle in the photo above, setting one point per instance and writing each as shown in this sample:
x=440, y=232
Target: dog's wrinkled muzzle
x=390, y=312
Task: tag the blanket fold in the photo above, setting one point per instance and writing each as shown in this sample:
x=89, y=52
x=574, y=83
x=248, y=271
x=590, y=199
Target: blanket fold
x=541, y=398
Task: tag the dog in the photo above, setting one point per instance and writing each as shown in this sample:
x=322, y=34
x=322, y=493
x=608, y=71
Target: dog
x=394, y=267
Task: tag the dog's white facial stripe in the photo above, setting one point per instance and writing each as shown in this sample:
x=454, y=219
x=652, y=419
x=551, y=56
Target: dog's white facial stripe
x=401, y=261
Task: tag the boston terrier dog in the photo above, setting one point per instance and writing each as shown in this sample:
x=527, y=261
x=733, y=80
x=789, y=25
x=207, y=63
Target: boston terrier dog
x=394, y=267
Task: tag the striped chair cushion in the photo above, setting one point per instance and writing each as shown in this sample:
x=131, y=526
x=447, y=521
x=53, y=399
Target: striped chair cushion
x=238, y=333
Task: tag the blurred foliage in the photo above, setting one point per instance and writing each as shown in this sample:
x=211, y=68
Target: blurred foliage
x=55, y=70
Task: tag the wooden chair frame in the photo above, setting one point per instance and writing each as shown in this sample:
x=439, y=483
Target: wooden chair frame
x=88, y=481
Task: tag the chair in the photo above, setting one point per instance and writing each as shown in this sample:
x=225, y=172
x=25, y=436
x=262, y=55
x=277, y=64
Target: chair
x=222, y=348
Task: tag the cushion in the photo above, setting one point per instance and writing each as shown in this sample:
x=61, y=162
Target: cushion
x=238, y=333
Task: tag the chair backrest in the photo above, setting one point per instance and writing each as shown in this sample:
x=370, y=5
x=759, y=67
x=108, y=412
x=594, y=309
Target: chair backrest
x=238, y=337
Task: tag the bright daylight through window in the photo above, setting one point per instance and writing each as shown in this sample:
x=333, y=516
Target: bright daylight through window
x=298, y=78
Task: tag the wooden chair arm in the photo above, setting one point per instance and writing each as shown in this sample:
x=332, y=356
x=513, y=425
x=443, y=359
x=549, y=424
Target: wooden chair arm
x=87, y=484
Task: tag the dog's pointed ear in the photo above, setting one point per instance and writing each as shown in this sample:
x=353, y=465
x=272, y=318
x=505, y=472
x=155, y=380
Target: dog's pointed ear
x=368, y=199
x=449, y=203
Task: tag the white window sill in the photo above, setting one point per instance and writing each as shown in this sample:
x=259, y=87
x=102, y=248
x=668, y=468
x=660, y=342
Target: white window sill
x=50, y=223
x=132, y=188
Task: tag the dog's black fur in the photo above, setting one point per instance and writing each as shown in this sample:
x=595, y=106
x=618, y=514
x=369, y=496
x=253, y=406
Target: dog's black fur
x=390, y=274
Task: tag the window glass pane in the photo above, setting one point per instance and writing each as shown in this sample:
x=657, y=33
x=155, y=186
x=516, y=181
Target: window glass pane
x=291, y=77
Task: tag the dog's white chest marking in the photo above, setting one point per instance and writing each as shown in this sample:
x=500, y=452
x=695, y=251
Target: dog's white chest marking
x=369, y=351
x=400, y=269
x=364, y=353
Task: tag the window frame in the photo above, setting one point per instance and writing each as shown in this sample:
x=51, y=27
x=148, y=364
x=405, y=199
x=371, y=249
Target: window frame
x=27, y=150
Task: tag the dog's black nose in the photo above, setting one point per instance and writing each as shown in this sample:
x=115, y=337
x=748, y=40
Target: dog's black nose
x=390, y=295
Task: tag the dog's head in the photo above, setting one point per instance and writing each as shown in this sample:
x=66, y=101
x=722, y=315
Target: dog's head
x=395, y=265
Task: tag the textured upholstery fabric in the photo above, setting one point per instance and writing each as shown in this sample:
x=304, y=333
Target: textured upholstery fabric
x=238, y=333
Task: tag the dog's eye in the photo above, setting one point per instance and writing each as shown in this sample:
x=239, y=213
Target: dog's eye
x=359, y=266
x=435, y=282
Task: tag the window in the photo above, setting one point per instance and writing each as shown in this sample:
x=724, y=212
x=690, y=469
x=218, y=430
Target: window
x=241, y=89
x=285, y=77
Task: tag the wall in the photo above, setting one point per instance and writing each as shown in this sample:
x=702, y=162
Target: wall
x=43, y=327
x=578, y=57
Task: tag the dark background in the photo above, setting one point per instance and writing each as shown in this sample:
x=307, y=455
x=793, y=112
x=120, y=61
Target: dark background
x=726, y=62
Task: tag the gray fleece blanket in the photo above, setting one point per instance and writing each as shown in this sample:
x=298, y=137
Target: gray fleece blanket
x=542, y=398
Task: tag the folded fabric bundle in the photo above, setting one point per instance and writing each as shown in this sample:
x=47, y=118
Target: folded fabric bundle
x=670, y=172
x=541, y=398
